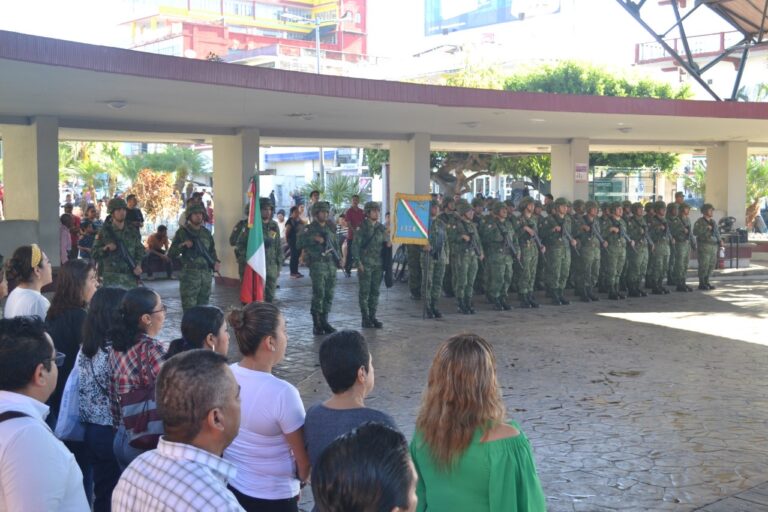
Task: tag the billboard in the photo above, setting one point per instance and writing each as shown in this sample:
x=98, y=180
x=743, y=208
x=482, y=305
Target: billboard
x=443, y=16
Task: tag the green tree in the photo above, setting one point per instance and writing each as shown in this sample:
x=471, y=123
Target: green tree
x=184, y=161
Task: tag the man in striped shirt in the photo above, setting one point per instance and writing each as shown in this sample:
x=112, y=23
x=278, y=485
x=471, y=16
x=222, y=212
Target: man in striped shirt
x=198, y=400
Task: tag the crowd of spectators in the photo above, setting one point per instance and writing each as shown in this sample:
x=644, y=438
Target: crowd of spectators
x=221, y=436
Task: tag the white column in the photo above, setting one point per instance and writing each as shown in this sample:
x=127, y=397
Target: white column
x=726, y=179
x=235, y=158
x=566, y=158
x=409, y=166
x=31, y=177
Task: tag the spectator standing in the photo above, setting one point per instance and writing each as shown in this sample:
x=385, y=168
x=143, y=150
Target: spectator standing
x=95, y=407
x=314, y=197
x=30, y=269
x=293, y=227
x=281, y=220
x=201, y=327
x=269, y=452
x=468, y=457
x=198, y=401
x=209, y=215
x=347, y=366
x=355, y=217
x=37, y=472
x=135, y=358
x=74, y=230
x=272, y=199
x=157, y=252
x=65, y=237
x=133, y=216
x=85, y=243
x=366, y=469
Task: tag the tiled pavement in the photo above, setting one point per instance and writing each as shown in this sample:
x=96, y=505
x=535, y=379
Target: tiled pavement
x=646, y=404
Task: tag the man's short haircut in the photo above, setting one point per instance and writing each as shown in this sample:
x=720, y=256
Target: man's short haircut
x=23, y=346
x=355, y=196
x=188, y=387
x=162, y=228
x=293, y=209
x=314, y=192
x=68, y=206
x=281, y=212
x=367, y=469
x=341, y=356
x=130, y=196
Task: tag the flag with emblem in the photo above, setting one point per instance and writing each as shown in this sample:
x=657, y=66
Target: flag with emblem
x=255, y=275
x=411, y=225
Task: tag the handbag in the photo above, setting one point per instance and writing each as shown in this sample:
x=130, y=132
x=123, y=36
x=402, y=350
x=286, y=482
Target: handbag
x=68, y=424
x=140, y=417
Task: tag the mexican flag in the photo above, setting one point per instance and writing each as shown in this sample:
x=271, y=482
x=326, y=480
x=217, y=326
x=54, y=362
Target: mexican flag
x=255, y=275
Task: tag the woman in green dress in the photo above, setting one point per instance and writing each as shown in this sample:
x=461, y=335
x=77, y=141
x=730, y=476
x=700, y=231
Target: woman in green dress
x=467, y=455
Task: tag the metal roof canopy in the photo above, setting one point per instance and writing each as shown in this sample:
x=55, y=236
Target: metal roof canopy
x=747, y=16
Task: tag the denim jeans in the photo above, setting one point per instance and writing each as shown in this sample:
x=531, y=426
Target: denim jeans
x=124, y=452
x=99, y=441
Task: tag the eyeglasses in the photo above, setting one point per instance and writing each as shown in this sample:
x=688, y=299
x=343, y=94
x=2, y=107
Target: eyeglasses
x=58, y=358
x=163, y=309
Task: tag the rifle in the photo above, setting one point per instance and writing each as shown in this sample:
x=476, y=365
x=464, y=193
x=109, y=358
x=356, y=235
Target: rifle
x=646, y=235
x=198, y=246
x=565, y=234
x=691, y=238
x=508, y=245
x=623, y=234
x=597, y=234
x=539, y=245
x=329, y=248
x=667, y=233
x=124, y=254
x=437, y=249
x=715, y=231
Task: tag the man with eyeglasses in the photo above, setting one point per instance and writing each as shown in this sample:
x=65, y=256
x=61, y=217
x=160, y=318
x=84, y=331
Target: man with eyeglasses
x=37, y=472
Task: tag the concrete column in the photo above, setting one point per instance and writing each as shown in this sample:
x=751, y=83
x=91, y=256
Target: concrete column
x=31, y=177
x=235, y=158
x=409, y=166
x=565, y=160
x=727, y=179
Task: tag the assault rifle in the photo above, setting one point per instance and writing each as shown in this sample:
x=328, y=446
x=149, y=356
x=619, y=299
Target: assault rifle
x=539, y=245
x=647, y=236
x=623, y=234
x=715, y=231
x=197, y=244
x=475, y=247
x=329, y=248
x=597, y=233
x=565, y=234
x=122, y=251
x=691, y=238
x=508, y=244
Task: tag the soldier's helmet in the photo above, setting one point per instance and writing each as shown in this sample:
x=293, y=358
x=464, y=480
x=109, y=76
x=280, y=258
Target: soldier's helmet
x=605, y=206
x=478, y=202
x=707, y=206
x=497, y=206
x=193, y=208
x=672, y=209
x=578, y=204
x=659, y=205
x=637, y=205
x=649, y=206
x=116, y=204
x=321, y=206
x=561, y=201
x=626, y=205
x=537, y=204
x=372, y=205
x=447, y=200
x=614, y=205
x=684, y=206
x=589, y=205
x=463, y=206
x=524, y=202
x=434, y=203
x=265, y=202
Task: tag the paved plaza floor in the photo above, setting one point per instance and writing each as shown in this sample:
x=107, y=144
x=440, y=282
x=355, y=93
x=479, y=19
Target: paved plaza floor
x=646, y=404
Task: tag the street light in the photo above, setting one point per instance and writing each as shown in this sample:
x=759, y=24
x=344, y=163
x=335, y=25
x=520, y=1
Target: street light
x=316, y=22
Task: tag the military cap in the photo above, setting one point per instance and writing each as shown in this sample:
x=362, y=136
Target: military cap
x=447, y=200
x=561, y=201
x=115, y=204
x=684, y=206
x=524, y=202
x=193, y=208
x=659, y=205
x=462, y=206
x=478, y=201
x=265, y=202
x=578, y=203
x=321, y=206
x=679, y=194
x=707, y=206
x=372, y=205
x=588, y=205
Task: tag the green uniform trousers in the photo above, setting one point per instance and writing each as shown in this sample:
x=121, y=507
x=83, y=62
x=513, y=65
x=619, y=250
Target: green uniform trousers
x=436, y=273
x=616, y=256
x=464, y=268
x=323, y=276
x=500, y=273
x=126, y=281
x=194, y=287
x=587, y=268
x=638, y=266
x=659, y=262
x=530, y=260
x=707, y=260
x=273, y=271
x=413, y=253
x=369, y=282
x=680, y=267
x=558, y=264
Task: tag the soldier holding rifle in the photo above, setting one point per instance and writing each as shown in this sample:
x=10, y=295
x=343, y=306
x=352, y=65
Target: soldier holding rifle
x=118, y=249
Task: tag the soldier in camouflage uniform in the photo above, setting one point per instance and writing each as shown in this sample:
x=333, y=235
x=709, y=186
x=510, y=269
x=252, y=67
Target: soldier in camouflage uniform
x=370, y=237
x=433, y=262
x=658, y=227
x=322, y=268
x=527, y=229
x=648, y=215
x=587, y=232
x=466, y=251
x=682, y=232
x=626, y=214
x=193, y=245
x=616, y=253
x=238, y=239
x=272, y=248
x=413, y=253
x=605, y=218
x=575, y=212
x=637, y=267
x=115, y=245
x=478, y=205
x=448, y=217
x=673, y=220
x=708, y=242
x=554, y=233
x=538, y=214
x=502, y=253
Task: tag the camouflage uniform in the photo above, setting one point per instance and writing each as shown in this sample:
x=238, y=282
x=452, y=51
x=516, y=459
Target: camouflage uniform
x=648, y=214
x=637, y=267
x=587, y=264
x=497, y=234
x=682, y=232
x=463, y=256
x=558, y=252
x=115, y=270
x=322, y=268
x=433, y=263
x=529, y=256
x=239, y=240
x=658, y=227
x=479, y=219
x=616, y=253
x=673, y=221
x=708, y=241
x=602, y=280
x=370, y=237
x=541, y=262
x=413, y=253
x=448, y=217
x=196, y=273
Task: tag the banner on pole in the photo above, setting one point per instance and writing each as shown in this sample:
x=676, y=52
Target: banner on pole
x=411, y=219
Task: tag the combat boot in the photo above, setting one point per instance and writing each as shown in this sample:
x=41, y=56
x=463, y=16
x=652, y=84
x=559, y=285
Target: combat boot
x=375, y=321
x=709, y=286
x=504, y=304
x=317, y=329
x=436, y=312
x=613, y=294
x=563, y=300
x=461, y=308
x=592, y=295
x=703, y=286
x=554, y=295
x=327, y=328
x=366, y=321
x=497, y=305
x=621, y=294
x=532, y=301
x=524, y=302
x=681, y=288
x=468, y=304
x=634, y=292
x=428, y=311
x=585, y=295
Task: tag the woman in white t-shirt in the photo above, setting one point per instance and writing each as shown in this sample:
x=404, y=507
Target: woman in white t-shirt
x=30, y=268
x=269, y=453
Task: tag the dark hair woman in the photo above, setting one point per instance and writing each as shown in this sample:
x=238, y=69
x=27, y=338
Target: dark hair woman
x=201, y=327
x=136, y=357
x=30, y=269
x=269, y=450
x=95, y=407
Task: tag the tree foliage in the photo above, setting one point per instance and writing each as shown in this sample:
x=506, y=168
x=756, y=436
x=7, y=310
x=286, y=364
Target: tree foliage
x=155, y=191
x=338, y=190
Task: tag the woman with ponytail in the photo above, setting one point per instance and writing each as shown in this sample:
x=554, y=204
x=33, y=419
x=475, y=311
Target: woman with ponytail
x=201, y=327
x=30, y=269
